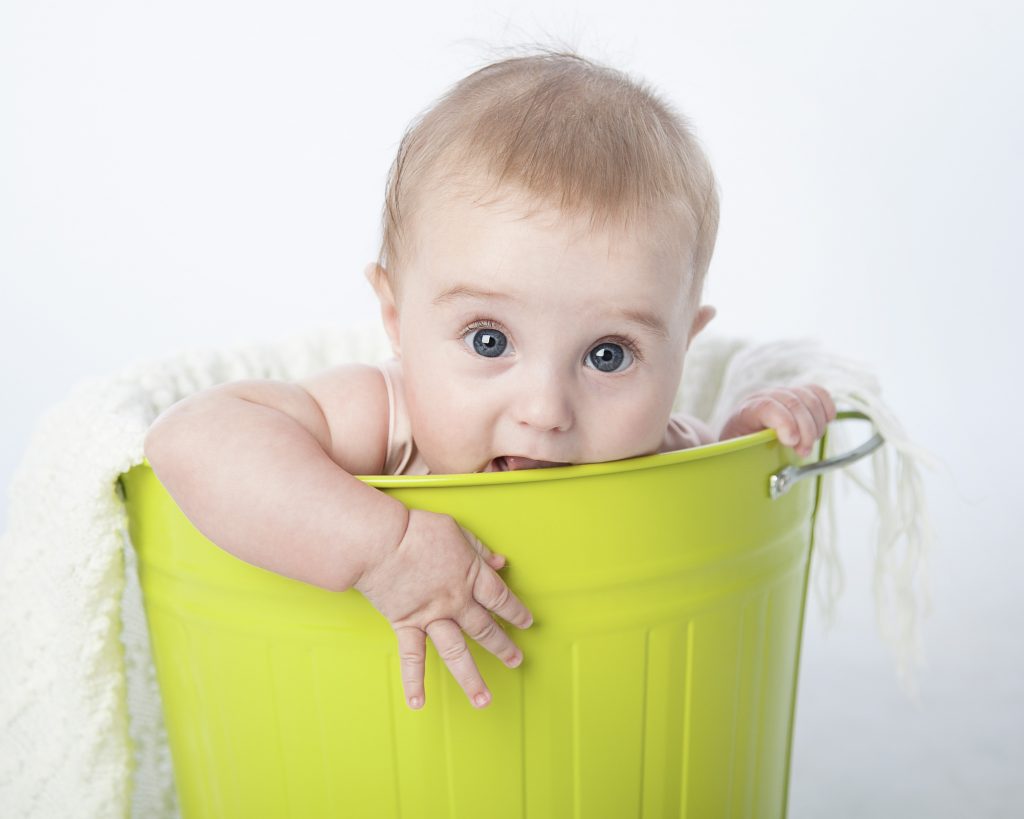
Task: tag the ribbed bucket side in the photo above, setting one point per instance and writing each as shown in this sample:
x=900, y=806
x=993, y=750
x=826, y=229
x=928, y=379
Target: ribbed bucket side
x=658, y=681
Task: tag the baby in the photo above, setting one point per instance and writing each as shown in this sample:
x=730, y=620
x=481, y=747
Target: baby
x=546, y=235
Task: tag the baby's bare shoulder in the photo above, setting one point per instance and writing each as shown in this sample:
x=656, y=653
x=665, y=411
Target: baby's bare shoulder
x=354, y=401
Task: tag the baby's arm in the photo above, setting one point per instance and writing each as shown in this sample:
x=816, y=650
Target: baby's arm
x=247, y=463
x=264, y=469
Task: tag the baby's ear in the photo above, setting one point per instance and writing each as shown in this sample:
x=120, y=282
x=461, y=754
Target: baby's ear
x=701, y=320
x=374, y=272
x=378, y=279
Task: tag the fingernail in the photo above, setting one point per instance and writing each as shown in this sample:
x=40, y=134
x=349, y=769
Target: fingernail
x=515, y=660
x=415, y=702
x=481, y=700
x=529, y=622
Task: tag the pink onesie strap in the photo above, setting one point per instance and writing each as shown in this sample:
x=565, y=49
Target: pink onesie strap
x=402, y=457
x=685, y=432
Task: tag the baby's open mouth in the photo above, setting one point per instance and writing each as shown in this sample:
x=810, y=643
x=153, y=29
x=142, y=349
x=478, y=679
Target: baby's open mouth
x=508, y=463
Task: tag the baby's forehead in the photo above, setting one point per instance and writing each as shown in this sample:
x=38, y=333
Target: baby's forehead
x=524, y=274
x=466, y=218
x=469, y=234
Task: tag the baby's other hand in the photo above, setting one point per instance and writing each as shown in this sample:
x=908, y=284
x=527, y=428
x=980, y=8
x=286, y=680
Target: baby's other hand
x=440, y=581
x=798, y=415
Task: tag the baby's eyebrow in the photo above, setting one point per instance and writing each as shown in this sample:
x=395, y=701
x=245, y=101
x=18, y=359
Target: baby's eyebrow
x=463, y=291
x=644, y=318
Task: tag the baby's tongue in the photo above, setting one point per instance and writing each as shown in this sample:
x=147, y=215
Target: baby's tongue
x=513, y=462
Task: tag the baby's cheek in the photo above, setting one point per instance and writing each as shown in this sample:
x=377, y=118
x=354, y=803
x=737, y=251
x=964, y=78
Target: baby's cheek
x=447, y=427
x=626, y=429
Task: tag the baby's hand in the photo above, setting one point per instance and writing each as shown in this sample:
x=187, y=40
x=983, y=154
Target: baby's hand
x=798, y=415
x=441, y=580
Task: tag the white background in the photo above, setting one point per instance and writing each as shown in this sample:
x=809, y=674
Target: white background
x=196, y=174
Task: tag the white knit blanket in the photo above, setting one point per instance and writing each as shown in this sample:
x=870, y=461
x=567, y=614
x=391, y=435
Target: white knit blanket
x=81, y=730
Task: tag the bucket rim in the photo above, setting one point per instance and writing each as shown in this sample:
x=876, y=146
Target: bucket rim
x=559, y=473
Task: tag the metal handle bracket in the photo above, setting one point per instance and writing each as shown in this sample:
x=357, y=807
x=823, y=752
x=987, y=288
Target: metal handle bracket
x=779, y=483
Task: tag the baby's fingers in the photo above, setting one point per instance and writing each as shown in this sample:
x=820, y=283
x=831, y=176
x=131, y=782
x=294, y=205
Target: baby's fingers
x=451, y=647
x=479, y=625
x=495, y=561
x=814, y=405
x=819, y=404
x=412, y=655
x=786, y=413
x=826, y=401
x=490, y=591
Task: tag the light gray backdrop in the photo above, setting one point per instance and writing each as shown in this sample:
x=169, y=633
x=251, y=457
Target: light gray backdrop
x=204, y=173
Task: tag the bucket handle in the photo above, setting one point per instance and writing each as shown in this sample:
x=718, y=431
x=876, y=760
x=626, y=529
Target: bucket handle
x=779, y=483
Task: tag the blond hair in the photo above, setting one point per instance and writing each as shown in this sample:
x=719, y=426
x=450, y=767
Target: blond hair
x=568, y=132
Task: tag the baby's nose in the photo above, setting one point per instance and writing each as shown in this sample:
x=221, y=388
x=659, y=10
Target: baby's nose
x=545, y=403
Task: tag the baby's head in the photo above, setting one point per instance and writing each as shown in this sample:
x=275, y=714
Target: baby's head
x=548, y=227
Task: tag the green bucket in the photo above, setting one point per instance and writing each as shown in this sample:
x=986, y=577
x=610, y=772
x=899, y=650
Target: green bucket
x=659, y=677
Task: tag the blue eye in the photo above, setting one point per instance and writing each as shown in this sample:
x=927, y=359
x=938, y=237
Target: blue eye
x=488, y=342
x=608, y=357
